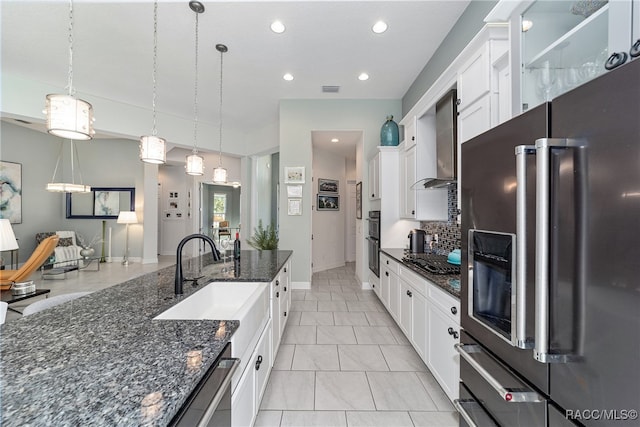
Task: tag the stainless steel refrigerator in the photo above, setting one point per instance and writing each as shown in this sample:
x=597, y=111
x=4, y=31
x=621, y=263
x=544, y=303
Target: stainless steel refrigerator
x=551, y=262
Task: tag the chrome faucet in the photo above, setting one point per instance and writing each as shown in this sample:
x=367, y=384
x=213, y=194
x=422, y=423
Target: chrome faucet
x=214, y=252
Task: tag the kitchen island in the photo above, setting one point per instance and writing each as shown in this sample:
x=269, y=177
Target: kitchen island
x=103, y=360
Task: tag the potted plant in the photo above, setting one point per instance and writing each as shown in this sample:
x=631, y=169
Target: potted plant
x=264, y=238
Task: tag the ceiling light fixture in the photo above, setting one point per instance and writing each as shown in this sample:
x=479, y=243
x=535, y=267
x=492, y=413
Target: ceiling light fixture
x=220, y=173
x=526, y=25
x=379, y=27
x=195, y=163
x=65, y=187
x=277, y=27
x=363, y=76
x=335, y=140
x=67, y=116
x=288, y=77
x=152, y=147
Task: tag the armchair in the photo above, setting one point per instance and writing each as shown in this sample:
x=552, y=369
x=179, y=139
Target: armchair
x=37, y=258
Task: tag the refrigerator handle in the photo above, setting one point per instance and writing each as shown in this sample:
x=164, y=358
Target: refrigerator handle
x=541, y=351
x=519, y=336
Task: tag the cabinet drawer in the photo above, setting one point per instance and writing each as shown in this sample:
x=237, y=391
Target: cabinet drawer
x=388, y=262
x=419, y=283
x=445, y=302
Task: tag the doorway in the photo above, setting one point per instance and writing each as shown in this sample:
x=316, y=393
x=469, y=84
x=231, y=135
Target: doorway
x=335, y=174
x=220, y=212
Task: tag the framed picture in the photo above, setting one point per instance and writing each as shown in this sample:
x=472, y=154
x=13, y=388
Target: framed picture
x=328, y=202
x=294, y=175
x=11, y=192
x=101, y=202
x=294, y=190
x=294, y=207
x=327, y=185
x=359, y=200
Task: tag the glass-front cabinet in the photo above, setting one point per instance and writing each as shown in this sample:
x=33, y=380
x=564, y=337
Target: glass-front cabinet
x=567, y=43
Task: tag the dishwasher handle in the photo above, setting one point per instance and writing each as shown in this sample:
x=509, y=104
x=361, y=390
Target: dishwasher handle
x=224, y=386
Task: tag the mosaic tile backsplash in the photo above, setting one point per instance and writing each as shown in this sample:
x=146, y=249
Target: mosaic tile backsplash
x=448, y=232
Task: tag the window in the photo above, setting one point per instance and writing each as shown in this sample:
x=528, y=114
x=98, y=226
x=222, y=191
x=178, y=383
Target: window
x=219, y=208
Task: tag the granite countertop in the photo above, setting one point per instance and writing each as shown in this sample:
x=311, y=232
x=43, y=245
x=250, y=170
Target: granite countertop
x=102, y=360
x=447, y=282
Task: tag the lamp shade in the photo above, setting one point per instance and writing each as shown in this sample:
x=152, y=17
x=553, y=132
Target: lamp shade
x=69, y=117
x=220, y=175
x=127, y=217
x=152, y=150
x=8, y=240
x=195, y=165
x=65, y=187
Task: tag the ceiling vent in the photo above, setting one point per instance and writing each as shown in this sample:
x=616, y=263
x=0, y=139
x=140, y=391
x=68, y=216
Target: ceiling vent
x=330, y=89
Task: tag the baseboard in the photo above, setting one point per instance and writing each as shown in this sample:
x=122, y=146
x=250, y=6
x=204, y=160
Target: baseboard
x=150, y=260
x=328, y=267
x=300, y=285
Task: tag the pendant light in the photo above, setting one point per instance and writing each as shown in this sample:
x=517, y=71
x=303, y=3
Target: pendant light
x=195, y=163
x=67, y=116
x=152, y=147
x=66, y=187
x=220, y=173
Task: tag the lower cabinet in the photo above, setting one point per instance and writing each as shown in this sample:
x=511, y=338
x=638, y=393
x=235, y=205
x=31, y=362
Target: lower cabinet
x=429, y=318
x=245, y=400
x=249, y=389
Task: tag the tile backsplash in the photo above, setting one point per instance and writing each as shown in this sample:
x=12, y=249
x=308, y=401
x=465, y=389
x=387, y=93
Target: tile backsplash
x=448, y=232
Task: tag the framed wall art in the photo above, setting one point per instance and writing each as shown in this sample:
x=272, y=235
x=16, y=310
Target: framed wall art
x=294, y=207
x=294, y=191
x=327, y=202
x=327, y=185
x=11, y=191
x=101, y=202
x=294, y=175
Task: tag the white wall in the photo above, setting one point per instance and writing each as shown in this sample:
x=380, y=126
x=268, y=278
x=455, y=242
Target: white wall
x=297, y=119
x=350, y=204
x=328, y=226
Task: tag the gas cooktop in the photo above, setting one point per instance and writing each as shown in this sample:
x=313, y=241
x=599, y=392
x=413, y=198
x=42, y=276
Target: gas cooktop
x=432, y=263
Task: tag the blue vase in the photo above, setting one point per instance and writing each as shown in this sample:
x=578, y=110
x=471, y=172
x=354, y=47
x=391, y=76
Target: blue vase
x=389, y=135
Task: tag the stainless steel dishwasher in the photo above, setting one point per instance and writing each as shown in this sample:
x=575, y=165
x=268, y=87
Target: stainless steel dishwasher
x=210, y=403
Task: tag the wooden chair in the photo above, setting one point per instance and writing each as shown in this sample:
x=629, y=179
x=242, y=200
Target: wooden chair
x=37, y=258
x=223, y=230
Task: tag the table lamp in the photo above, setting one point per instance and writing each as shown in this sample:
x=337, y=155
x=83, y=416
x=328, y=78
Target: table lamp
x=8, y=240
x=127, y=217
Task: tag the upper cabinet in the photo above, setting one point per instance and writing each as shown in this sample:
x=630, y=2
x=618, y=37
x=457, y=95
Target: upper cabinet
x=374, y=177
x=484, y=87
x=562, y=45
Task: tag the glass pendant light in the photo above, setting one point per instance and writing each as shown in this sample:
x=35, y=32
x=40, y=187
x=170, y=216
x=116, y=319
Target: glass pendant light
x=152, y=147
x=66, y=187
x=195, y=163
x=68, y=116
x=220, y=173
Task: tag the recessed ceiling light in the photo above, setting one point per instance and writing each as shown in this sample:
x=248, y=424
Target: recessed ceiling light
x=363, y=77
x=288, y=77
x=379, y=27
x=335, y=140
x=277, y=27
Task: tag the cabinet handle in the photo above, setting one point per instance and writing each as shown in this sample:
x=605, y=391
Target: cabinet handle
x=277, y=294
x=413, y=212
x=413, y=138
x=373, y=285
x=258, y=363
x=285, y=314
x=387, y=262
x=373, y=195
x=277, y=282
x=454, y=310
x=458, y=101
x=453, y=333
x=285, y=269
x=635, y=49
x=386, y=273
x=285, y=289
x=409, y=294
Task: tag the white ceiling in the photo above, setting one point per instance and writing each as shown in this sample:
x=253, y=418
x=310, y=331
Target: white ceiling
x=326, y=43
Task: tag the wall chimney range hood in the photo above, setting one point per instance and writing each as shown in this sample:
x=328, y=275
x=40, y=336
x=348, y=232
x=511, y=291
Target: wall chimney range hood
x=446, y=144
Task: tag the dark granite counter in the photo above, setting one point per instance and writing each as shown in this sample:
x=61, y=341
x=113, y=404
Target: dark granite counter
x=448, y=282
x=102, y=360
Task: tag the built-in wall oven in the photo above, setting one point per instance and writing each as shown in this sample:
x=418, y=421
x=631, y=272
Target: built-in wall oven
x=373, y=240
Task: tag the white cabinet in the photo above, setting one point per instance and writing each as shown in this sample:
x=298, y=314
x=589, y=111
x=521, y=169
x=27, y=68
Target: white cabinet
x=374, y=177
x=246, y=397
x=407, y=179
x=484, y=88
x=428, y=316
x=280, y=303
x=443, y=320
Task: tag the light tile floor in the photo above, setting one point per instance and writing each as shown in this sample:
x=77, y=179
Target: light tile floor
x=344, y=362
